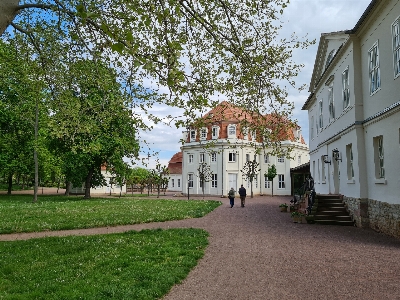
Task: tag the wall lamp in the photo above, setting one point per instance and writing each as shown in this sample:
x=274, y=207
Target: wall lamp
x=326, y=159
x=336, y=154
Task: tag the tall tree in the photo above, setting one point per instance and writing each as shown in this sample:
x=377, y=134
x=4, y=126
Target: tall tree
x=193, y=49
x=250, y=171
x=271, y=174
x=205, y=174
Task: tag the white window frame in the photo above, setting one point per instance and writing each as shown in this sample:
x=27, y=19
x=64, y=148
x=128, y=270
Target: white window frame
x=396, y=46
x=232, y=156
x=281, y=181
x=299, y=159
x=247, y=157
x=179, y=182
x=214, y=182
x=203, y=133
x=323, y=176
x=190, y=158
x=192, y=135
x=329, y=58
x=379, y=157
x=266, y=159
x=374, y=69
x=202, y=157
x=231, y=131
x=172, y=182
x=215, y=132
x=281, y=159
x=345, y=88
x=321, y=116
x=190, y=180
x=349, y=157
x=331, y=104
x=267, y=183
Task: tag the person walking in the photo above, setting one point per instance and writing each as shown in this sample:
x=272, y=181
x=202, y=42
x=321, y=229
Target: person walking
x=231, y=196
x=242, y=194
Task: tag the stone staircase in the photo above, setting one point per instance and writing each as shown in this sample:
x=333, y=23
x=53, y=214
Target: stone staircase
x=330, y=210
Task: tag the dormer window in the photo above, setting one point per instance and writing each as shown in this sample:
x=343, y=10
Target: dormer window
x=215, y=132
x=329, y=58
x=203, y=134
x=192, y=135
x=231, y=131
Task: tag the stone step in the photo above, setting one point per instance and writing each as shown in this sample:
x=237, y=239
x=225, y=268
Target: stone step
x=334, y=222
x=332, y=217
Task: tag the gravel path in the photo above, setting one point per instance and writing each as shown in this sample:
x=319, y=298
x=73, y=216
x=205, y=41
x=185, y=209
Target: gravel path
x=257, y=252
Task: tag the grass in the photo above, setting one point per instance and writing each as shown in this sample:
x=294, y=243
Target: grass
x=132, y=265
x=19, y=214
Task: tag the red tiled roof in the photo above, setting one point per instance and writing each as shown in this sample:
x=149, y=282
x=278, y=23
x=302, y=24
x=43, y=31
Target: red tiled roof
x=175, y=163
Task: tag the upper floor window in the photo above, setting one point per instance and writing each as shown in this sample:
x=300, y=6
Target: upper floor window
x=245, y=132
x=299, y=159
x=266, y=158
x=281, y=159
x=331, y=104
x=247, y=157
x=232, y=157
x=374, y=71
x=321, y=119
x=396, y=47
x=213, y=157
x=329, y=58
x=215, y=132
x=232, y=130
x=345, y=88
x=312, y=127
x=191, y=158
x=203, y=133
x=202, y=157
x=192, y=135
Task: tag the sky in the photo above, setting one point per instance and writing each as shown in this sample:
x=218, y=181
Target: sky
x=303, y=17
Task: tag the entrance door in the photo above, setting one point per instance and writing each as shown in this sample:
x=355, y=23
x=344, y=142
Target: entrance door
x=336, y=175
x=232, y=181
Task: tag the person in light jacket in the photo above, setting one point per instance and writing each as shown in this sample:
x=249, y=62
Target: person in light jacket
x=231, y=196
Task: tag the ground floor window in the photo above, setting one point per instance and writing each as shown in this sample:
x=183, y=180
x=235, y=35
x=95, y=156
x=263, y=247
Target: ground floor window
x=179, y=183
x=214, y=180
x=267, y=183
x=173, y=182
x=281, y=181
x=190, y=180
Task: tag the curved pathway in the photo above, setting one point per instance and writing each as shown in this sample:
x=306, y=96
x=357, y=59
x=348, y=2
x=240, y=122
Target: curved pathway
x=257, y=252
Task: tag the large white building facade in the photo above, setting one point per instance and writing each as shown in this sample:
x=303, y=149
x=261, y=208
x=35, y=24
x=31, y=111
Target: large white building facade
x=354, y=117
x=224, y=149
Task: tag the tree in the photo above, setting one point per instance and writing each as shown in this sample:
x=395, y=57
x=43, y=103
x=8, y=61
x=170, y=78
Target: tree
x=91, y=122
x=250, y=171
x=160, y=176
x=138, y=176
x=205, y=174
x=271, y=174
x=193, y=49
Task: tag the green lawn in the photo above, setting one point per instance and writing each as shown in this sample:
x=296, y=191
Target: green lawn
x=19, y=214
x=131, y=265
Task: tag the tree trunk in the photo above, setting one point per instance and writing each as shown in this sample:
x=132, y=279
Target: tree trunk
x=67, y=187
x=9, y=188
x=35, y=154
x=88, y=183
x=8, y=11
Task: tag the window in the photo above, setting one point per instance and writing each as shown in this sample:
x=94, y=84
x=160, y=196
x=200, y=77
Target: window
x=312, y=127
x=203, y=134
x=190, y=180
x=374, y=72
x=322, y=169
x=179, y=182
x=299, y=159
x=255, y=180
x=172, y=183
x=331, y=104
x=202, y=157
x=281, y=181
x=316, y=125
x=214, y=180
x=215, y=132
x=281, y=159
x=193, y=135
x=396, y=47
x=213, y=157
x=232, y=157
x=190, y=158
x=349, y=156
x=266, y=158
x=232, y=131
x=245, y=132
x=379, y=157
x=267, y=183
x=247, y=157
x=329, y=58
x=321, y=120
x=345, y=88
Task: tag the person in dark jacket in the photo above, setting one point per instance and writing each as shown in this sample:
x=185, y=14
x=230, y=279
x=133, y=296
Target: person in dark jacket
x=242, y=194
x=231, y=196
